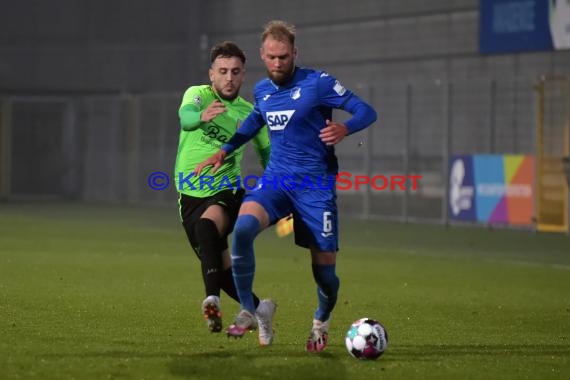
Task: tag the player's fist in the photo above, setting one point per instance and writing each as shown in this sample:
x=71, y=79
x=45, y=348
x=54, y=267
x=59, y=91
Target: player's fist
x=333, y=133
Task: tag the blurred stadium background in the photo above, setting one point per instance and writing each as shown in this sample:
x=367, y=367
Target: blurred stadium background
x=89, y=92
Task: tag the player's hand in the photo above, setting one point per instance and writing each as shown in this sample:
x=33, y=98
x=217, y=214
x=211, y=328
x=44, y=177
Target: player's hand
x=333, y=133
x=215, y=161
x=214, y=109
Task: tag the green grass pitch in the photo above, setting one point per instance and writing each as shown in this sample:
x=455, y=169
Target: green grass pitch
x=114, y=292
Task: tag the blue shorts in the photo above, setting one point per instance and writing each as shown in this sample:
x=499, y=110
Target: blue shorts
x=315, y=216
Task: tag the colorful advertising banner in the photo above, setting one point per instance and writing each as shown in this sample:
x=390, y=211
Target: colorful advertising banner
x=523, y=25
x=494, y=189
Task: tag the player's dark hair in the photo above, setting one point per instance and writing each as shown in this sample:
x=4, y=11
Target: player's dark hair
x=226, y=49
x=280, y=31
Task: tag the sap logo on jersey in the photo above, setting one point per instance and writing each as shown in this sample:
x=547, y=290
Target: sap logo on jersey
x=277, y=120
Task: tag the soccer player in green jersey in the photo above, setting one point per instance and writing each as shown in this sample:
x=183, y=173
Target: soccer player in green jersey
x=209, y=116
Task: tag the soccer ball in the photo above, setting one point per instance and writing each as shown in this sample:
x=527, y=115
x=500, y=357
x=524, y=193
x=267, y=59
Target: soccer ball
x=366, y=339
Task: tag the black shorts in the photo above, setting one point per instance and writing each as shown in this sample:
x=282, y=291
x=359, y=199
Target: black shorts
x=192, y=208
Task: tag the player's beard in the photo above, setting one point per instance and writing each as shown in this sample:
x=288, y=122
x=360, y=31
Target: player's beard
x=227, y=97
x=280, y=77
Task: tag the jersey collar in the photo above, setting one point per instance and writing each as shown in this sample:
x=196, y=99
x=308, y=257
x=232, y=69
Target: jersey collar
x=236, y=100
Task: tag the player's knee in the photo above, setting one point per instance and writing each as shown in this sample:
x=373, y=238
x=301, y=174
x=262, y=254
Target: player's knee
x=206, y=231
x=245, y=230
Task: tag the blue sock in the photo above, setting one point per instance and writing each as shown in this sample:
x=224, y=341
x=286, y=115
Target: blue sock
x=327, y=290
x=243, y=259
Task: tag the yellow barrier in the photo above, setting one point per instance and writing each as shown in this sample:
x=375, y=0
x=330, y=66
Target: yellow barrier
x=552, y=152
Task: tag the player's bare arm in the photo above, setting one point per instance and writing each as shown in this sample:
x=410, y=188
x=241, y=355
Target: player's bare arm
x=214, y=109
x=333, y=133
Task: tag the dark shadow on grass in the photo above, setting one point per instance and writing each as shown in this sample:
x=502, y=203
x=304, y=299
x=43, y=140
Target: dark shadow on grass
x=251, y=363
x=290, y=362
x=399, y=352
x=265, y=363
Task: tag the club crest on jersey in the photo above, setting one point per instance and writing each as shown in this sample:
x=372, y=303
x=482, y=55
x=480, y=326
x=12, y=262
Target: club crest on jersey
x=338, y=88
x=296, y=93
x=278, y=120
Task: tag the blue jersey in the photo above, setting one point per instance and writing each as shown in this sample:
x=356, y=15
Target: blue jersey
x=295, y=113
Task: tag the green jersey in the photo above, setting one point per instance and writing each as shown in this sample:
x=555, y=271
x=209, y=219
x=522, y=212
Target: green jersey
x=199, y=140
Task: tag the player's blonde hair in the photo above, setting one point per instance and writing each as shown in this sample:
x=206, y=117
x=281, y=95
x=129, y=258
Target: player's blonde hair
x=280, y=31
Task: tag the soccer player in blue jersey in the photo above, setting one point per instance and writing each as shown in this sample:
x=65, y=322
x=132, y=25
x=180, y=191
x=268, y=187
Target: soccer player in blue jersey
x=296, y=104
